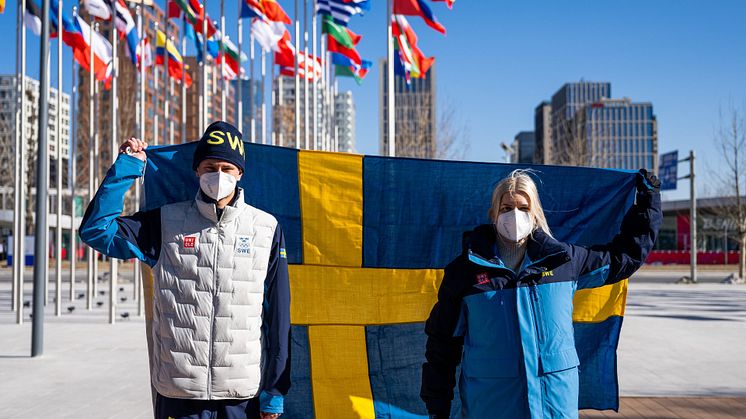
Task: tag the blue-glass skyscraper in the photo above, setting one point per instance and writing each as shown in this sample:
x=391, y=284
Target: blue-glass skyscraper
x=588, y=128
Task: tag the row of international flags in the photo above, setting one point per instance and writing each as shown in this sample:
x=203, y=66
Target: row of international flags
x=268, y=28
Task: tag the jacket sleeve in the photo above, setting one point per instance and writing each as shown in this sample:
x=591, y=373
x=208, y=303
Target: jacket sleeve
x=276, y=329
x=445, y=329
x=606, y=264
x=122, y=237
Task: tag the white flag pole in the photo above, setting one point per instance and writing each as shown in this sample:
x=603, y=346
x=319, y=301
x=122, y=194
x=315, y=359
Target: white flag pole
x=296, y=93
x=113, y=271
x=391, y=128
x=306, y=132
x=73, y=156
x=264, y=97
x=183, y=79
x=137, y=282
x=91, y=254
x=155, y=87
x=239, y=84
x=252, y=90
x=314, y=102
x=223, y=85
x=58, y=149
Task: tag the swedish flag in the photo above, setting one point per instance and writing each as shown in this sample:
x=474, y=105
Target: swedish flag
x=367, y=238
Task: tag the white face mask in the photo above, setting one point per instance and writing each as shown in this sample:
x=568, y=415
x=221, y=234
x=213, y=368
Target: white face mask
x=515, y=225
x=217, y=185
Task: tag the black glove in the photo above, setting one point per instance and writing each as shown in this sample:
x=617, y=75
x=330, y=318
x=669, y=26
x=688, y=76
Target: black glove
x=647, y=182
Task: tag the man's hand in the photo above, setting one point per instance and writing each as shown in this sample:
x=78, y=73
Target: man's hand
x=265, y=415
x=134, y=147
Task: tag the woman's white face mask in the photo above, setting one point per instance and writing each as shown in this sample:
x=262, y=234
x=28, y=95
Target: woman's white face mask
x=515, y=225
x=217, y=185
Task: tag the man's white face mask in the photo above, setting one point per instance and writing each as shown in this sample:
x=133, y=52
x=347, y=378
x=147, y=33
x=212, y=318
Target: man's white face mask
x=515, y=225
x=217, y=185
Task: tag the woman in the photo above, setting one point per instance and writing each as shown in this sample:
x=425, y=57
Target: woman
x=505, y=305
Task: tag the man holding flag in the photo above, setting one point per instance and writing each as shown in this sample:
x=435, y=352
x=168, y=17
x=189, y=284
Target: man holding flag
x=221, y=296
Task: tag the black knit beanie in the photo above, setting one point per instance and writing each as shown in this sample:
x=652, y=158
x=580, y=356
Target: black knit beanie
x=221, y=141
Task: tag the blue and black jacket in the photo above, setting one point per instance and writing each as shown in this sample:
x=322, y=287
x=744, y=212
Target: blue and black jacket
x=512, y=332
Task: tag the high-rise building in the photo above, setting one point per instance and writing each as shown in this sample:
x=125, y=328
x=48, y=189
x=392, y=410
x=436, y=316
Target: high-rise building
x=567, y=144
x=251, y=103
x=543, y=133
x=588, y=128
x=283, y=113
x=344, y=121
x=8, y=107
x=214, y=105
x=620, y=134
x=127, y=104
x=525, y=141
x=414, y=114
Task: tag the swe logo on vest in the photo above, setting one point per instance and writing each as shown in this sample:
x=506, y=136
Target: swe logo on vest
x=243, y=245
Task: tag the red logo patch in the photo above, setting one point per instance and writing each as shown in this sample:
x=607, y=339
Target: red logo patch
x=482, y=278
x=189, y=242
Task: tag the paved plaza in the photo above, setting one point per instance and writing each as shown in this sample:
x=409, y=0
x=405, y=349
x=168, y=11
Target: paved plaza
x=682, y=344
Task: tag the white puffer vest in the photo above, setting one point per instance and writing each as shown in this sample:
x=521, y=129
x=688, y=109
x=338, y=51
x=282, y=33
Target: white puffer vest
x=207, y=305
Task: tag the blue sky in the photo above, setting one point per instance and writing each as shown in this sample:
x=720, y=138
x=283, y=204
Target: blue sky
x=501, y=58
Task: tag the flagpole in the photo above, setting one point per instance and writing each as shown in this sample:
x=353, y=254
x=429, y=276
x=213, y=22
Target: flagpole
x=19, y=251
x=183, y=78
x=322, y=116
x=264, y=98
x=115, y=73
x=281, y=107
x=58, y=149
x=166, y=80
x=16, y=161
x=297, y=78
x=155, y=87
x=137, y=281
x=96, y=166
x=315, y=83
x=252, y=93
x=223, y=86
x=203, y=72
x=91, y=254
x=239, y=91
x=391, y=128
x=73, y=169
x=271, y=108
x=42, y=190
x=306, y=131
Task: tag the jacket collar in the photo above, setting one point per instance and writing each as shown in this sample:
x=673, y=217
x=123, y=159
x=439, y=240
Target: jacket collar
x=542, y=250
x=230, y=212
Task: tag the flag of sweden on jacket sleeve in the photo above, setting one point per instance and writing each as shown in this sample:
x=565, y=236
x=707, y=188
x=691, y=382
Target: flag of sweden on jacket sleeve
x=368, y=237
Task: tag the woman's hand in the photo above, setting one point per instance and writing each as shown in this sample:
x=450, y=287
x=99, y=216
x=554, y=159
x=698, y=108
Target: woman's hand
x=134, y=147
x=647, y=182
x=265, y=415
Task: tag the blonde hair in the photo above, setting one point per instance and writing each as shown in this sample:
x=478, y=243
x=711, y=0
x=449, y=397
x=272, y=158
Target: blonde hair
x=519, y=181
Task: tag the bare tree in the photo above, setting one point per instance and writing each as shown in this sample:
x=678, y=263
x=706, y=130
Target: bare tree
x=453, y=135
x=573, y=148
x=730, y=139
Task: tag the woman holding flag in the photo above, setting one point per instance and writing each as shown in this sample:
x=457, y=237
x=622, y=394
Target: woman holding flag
x=505, y=306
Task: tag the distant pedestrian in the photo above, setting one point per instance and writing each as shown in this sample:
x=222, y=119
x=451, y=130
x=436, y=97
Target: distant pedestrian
x=221, y=295
x=504, y=309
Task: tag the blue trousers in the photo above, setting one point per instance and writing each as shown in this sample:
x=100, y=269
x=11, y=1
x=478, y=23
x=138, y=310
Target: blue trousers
x=168, y=408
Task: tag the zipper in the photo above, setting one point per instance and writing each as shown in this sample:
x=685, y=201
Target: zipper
x=534, y=299
x=212, y=312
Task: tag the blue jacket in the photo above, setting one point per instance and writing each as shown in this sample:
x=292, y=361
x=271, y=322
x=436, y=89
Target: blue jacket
x=139, y=236
x=512, y=332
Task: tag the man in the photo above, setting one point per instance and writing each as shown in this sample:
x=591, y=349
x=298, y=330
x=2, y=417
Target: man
x=221, y=297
